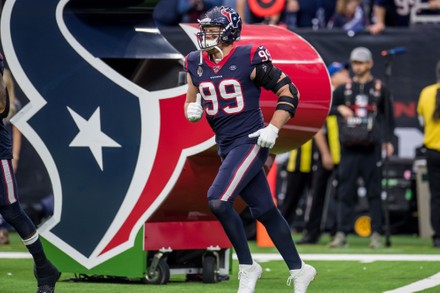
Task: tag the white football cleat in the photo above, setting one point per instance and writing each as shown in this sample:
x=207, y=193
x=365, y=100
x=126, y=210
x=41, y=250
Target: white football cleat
x=248, y=276
x=301, y=278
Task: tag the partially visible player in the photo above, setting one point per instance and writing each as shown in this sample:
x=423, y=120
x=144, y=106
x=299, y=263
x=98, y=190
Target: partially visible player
x=10, y=209
x=229, y=80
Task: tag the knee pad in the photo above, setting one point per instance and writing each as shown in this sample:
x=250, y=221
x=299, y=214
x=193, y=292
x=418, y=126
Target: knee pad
x=218, y=207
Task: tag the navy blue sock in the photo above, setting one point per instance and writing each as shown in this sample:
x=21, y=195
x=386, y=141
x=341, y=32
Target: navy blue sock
x=279, y=232
x=233, y=227
x=17, y=218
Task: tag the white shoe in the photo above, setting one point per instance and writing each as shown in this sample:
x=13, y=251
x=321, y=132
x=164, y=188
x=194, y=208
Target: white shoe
x=248, y=276
x=301, y=278
x=375, y=240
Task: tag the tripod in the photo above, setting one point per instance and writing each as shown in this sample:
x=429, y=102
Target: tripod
x=388, y=65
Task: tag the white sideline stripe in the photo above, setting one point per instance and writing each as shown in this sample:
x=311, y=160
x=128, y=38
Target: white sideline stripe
x=15, y=255
x=418, y=286
x=264, y=257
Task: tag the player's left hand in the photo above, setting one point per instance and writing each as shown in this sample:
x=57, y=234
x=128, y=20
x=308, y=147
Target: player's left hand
x=266, y=136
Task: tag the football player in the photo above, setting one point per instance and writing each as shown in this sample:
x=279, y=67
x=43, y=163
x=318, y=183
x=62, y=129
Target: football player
x=224, y=82
x=46, y=273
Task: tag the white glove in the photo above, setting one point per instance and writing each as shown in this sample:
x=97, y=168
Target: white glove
x=266, y=136
x=194, y=111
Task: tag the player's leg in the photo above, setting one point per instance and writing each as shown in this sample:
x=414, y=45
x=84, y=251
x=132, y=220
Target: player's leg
x=237, y=169
x=14, y=215
x=296, y=185
x=346, y=196
x=433, y=160
x=258, y=196
x=371, y=171
x=319, y=192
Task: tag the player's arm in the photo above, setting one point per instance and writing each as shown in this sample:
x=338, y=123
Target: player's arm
x=193, y=108
x=288, y=98
x=321, y=143
x=272, y=78
x=379, y=13
x=4, y=103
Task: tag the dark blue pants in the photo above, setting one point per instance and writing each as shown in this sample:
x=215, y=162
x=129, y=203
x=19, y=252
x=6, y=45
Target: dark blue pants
x=8, y=185
x=366, y=163
x=241, y=172
x=433, y=160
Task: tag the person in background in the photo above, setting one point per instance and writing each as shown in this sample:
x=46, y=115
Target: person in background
x=172, y=12
x=193, y=10
x=315, y=13
x=434, y=4
x=231, y=101
x=349, y=16
x=394, y=13
x=428, y=109
x=291, y=13
x=10, y=209
x=327, y=142
x=299, y=180
x=366, y=125
x=14, y=107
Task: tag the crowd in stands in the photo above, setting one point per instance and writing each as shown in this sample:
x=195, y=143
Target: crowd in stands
x=351, y=15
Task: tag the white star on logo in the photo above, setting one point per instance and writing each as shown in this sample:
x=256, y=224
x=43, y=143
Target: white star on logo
x=91, y=136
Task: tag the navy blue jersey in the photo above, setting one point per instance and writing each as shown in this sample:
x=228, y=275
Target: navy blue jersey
x=397, y=11
x=5, y=136
x=231, y=100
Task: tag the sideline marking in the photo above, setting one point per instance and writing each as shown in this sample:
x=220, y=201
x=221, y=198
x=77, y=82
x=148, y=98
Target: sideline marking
x=264, y=257
x=418, y=286
x=15, y=255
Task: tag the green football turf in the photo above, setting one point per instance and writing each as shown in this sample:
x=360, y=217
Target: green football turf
x=333, y=276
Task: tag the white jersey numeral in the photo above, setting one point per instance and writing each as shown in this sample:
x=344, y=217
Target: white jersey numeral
x=228, y=89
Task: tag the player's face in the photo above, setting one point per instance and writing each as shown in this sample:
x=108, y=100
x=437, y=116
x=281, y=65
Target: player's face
x=212, y=32
x=212, y=37
x=361, y=68
x=209, y=37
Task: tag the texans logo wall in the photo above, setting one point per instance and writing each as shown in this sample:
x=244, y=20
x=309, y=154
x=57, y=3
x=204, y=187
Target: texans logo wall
x=113, y=150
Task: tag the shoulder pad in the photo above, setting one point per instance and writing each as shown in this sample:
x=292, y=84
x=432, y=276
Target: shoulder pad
x=260, y=54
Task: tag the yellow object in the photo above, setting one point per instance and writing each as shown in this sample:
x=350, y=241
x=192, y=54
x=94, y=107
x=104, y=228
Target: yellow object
x=305, y=159
x=362, y=226
x=333, y=139
x=425, y=109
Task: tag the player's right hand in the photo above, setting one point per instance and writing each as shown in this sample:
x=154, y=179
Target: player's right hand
x=194, y=111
